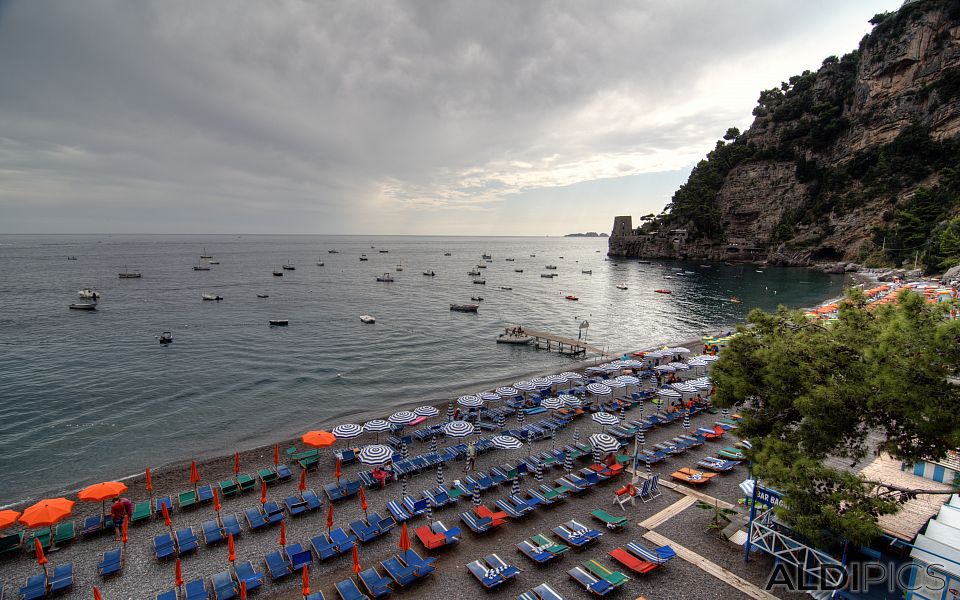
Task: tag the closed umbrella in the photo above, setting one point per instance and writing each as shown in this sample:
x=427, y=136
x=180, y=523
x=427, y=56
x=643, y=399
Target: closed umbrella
x=520, y=416
x=124, y=532
x=194, y=476
x=178, y=574
x=567, y=461
x=216, y=505
x=302, y=485
x=476, y=495
x=515, y=484
x=404, y=538
x=439, y=474
x=449, y=411
x=538, y=471
x=236, y=463
x=403, y=486
x=231, y=549
x=276, y=455
x=263, y=493
x=430, y=512
x=149, y=483
x=347, y=431
x=96, y=593
x=330, y=517
x=305, y=578
x=576, y=436
x=336, y=472
x=38, y=552
x=433, y=443
x=166, y=516
x=356, y=559
x=404, y=452
x=363, y=503
x=686, y=420
x=283, y=533
x=243, y=590
x=501, y=420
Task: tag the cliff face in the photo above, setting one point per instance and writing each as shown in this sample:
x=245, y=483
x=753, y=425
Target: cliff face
x=830, y=158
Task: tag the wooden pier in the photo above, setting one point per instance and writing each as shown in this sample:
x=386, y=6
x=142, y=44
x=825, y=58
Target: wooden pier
x=569, y=346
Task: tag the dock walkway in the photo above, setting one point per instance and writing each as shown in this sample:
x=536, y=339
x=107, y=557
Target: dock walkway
x=548, y=341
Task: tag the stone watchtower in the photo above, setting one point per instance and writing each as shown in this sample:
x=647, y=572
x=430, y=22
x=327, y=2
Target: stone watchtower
x=622, y=226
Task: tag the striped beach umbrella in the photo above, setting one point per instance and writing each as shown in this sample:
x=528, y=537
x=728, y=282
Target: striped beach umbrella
x=440, y=474
x=538, y=471
x=541, y=382
x=576, y=436
x=725, y=413
x=571, y=401
x=375, y=454
x=679, y=366
x=476, y=494
x=515, y=484
x=501, y=420
x=506, y=442
x=403, y=486
x=684, y=388
x=469, y=401
x=567, y=461
x=604, y=442
x=347, y=431
x=433, y=443
x=628, y=379
x=458, y=429
x=552, y=403
x=449, y=411
x=686, y=420
x=403, y=417
x=404, y=452
x=520, y=417
x=599, y=389
x=604, y=418
x=507, y=391
x=664, y=369
x=426, y=411
x=529, y=444
x=376, y=425
x=490, y=397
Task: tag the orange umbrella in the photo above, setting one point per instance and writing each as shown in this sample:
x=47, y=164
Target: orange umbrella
x=356, y=559
x=243, y=590
x=330, y=517
x=303, y=482
x=99, y=492
x=283, y=533
x=216, y=501
x=236, y=463
x=306, y=581
x=276, y=455
x=263, y=493
x=166, y=515
x=96, y=593
x=231, y=549
x=8, y=518
x=194, y=474
x=363, y=502
x=38, y=551
x=123, y=531
x=318, y=439
x=404, y=538
x=149, y=481
x=178, y=574
x=337, y=472
x=46, y=512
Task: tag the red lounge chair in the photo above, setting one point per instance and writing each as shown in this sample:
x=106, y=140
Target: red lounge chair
x=429, y=539
x=499, y=517
x=691, y=476
x=631, y=562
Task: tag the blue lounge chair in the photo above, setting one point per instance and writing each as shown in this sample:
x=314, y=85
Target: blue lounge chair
x=496, y=563
x=205, y=493
x=384, y=524
x=323, y=546
x=342, y=540
x=545, y=592
x=438, y=497
x=272, y=513
x=535, y=553
x=111, y=562
x=298, y=556
x=62, y=579
x=35, y=587
x=402, y=575
x=348, y=590
x=364, y=531
x=163, y=546
x=578, y=481
x=377, y=586
x=168, y=595
x=284, y=473
x=278, y=566
x=573, y=538
x=475, y=523
x=186, y=541
x=513, y=511
x=531, y=502
x=660, y=555
x=295, y=506
x=313, y=501
x=224, y=587
x=315, y=596
x=254, y=518
x=398, y=511
x=415, y=507
x=211, y=532
x=92, y=525
x=231, y=525
x=164, y=501
x=487, y=577
x=591, y=583
x=244, y=571
x=412, y=559
x=582, y=530
x=196, y=590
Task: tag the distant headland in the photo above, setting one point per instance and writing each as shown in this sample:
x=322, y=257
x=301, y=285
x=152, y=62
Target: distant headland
x=587, y=234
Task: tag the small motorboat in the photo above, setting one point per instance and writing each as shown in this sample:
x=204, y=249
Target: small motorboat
x=289, y=267
x=509, y=260
x=641, y=262
x=89, y=294
x=668, y=276
x=735, y=300
x=689, y=272
x=263, y=295
x=279, y=322
x=399, y=268
x=533, y=256
x=71, y=258
x=561, y=258
x=621, y=286
x=125, y=274
x=480, y=281
x=447, y=254
x=548, y=275
x=571, y=297
x=211, y=297
x=486, y=257
x=429, y=273
x=507, y=288
x=214, y=262
x=84, y=306
x=663, y=291
x=512, y=338
x=518, y=270
x=204, y=254
x=759, y=271
x=166, y=338
x=383, y=251
x=551, y=267
x=201, y=268
x=464, y=307
x=481, y=266
x=278, y=273
x=477, y=298
x=333, y=252
x=474, y=273
x=587, y=271
x=363, y=257
x=368, y=319
x=386, y=278
x=319, y=263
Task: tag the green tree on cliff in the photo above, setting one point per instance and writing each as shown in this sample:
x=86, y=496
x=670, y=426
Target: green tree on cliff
x=808, y=392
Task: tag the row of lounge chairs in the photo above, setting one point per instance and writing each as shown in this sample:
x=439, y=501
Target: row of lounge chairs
x=59, y=581
x=491, y=571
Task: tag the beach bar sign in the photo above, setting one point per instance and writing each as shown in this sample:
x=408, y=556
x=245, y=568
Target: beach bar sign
x=761, y=495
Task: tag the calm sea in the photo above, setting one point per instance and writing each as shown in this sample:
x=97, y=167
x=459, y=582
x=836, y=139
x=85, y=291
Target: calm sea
x=92, y=395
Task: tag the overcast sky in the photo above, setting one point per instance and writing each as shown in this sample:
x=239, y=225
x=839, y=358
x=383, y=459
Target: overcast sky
x=513, y=117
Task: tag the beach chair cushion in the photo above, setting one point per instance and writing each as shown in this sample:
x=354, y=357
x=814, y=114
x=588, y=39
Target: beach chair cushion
x=187, y=499
x=196, y=590
x=383, y=524
x=163, y=546
x=313, y=501
x=212, y=532
x=614, y=578
x=111, y=562
x=34, y=587
x=62, y=579
x=228, y=487
x=246, y=482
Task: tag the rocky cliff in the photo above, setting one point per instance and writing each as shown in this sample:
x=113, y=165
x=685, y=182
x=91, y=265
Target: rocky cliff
x=858, y=161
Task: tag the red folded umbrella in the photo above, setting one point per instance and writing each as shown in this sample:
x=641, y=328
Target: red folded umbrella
x=306, y=582
x=236, y=463
x=404, y=537
x=231, y=549
x=356, y=559
x=216, y=501
x=283, y=533
x=41, y=557
x=303, y=482
x=337, y=472
x=276, y=455
x=149, y=481
x=178, y=574
x=124, y=530
x=194, y=474
x=263, y=493
x=166, y=515
x=363, y=502
x=243, y=590
x=329, y=517
x=96, y=593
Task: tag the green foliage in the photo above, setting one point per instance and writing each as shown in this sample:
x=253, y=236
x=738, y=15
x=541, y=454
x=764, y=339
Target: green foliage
x=720, y=517
x=808, y=392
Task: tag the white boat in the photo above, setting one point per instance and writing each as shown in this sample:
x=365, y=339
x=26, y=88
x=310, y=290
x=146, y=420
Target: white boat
x=399, y=268
x=211, y=297
x=166, y=337
x=477, y=298
x=587, y=271
x=319, y=263
x=548, y=275
x=289, y=267
x=474, y=273
x=88, y=293
x=84, y=306
x=481, y=266
x=512, y=338
x=333, y=252
x=368, y=319
x=386, y=278
x=621, y=287
x=214, y=262
x=464, y=307
x=486, y=257
x=363, y=257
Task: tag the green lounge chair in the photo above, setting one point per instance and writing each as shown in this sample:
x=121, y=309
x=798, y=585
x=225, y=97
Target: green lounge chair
x=298, y=456
x=41, y=534
x=455, y=492
x=246, y=482
x=11, y=543
x=267, y=475
x=612, y=522
x=614, y=578
x=229, y=487
x=64, y=532
x=549, y=545
x=141, y=512
x=187, y=500
x=309, y=462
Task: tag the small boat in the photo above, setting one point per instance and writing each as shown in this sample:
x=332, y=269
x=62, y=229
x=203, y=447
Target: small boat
x=289, y=267
x=511, y=338
x=71, y=258
x=125, y=274
x=278, y=273
x=263, y=295
x=663, y=291
x=480, y=281
x=474, y=273
x=429, y=273
x=642, y=262
x=477, y=298
x=759, y=271
x=689, y=272
x=571, y=297
x=486, y=257
x=279, y=322
x=363, y=257
x=166, y=338
x=509, y=260
x=84, y=306
x=214, y=262
x=481, y=266
x=383, y=251
x=211, y=297
x=504, y=287
x=547, y=275
x=447, y=254
x=533, y=256
x=386, y=278
x=561, y=258
x=704, y=266
x=319, y=263
x=333, y=252
x=551, y=267
x=89, y=294
x=204, y=254
x=735, y=300
x=200, y=266
x=464, y=307
x=518, y=270
x=621, y=287
x=668, y=276
x=587, y=271
x=368, y=319
x=399, y=268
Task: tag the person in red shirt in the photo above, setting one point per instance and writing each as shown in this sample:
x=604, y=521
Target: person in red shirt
x=121, y=509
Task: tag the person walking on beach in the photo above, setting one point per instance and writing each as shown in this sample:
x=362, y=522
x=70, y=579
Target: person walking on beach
x=121, y=509
x=471, y=457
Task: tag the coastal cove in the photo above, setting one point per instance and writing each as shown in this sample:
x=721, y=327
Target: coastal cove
x=113, y=401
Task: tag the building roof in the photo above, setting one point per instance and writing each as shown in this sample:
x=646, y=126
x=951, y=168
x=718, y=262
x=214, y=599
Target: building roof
x=914, y=514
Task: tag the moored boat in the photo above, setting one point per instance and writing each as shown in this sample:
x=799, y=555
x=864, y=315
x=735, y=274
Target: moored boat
x=386, y=278
x=474, y=273
x=571, y=297
x=278, y=273
x=263, y=295
x=84, y=306
x=663, y=291
x=211, y=297
x=464, y=307
x=480, y=281
x=518, y=270
x=289, y=267
x=477, y=298
x=166, y=337
x=279, y=322
x=429, y=273
x=368, y=319
x=587, y=271
x=125, y=274
x=89, y=294
x=363, y=257
x=514, y=338
x=620, y=286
